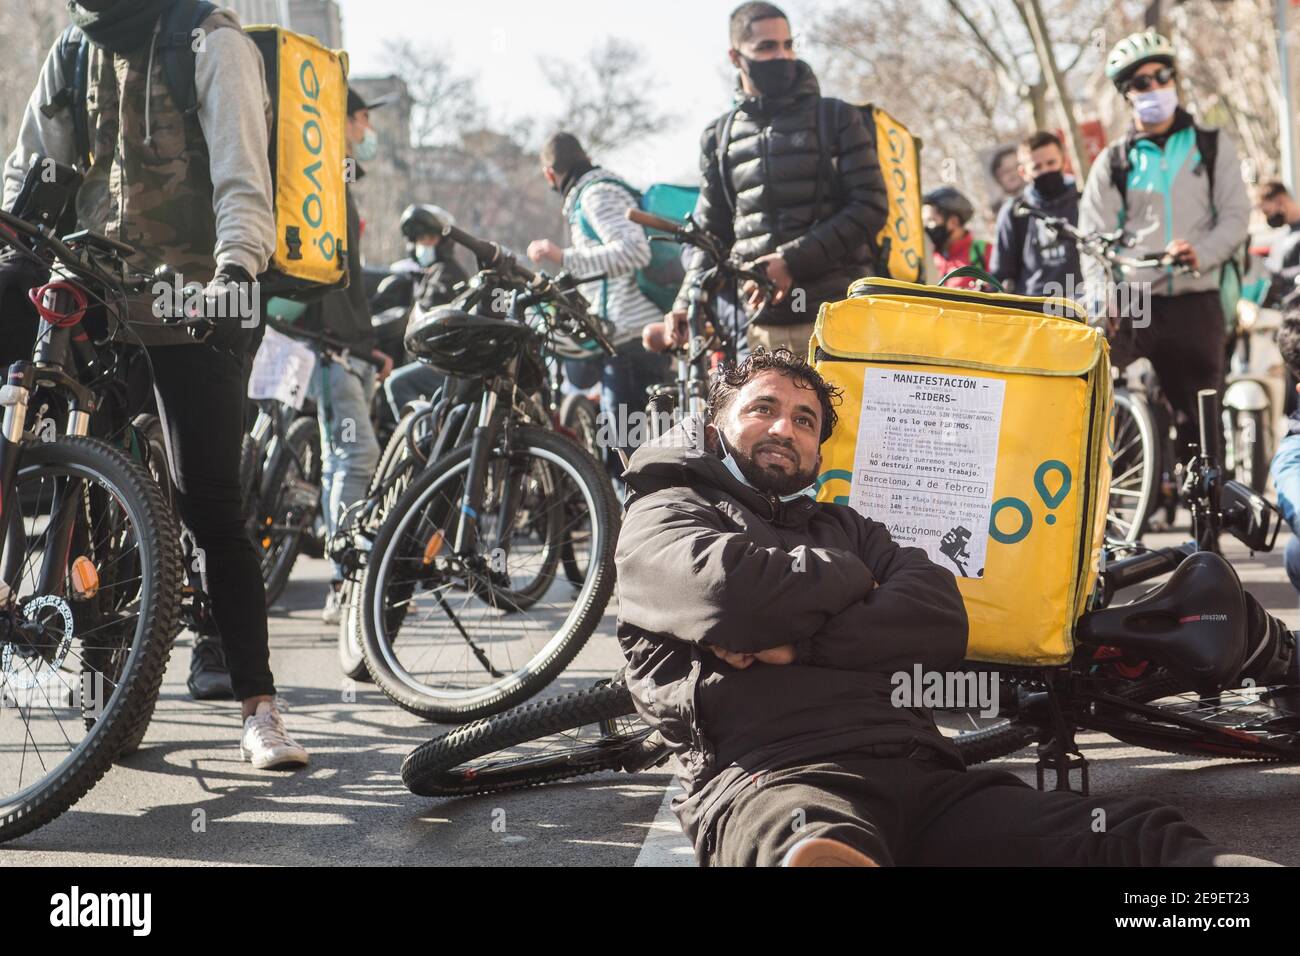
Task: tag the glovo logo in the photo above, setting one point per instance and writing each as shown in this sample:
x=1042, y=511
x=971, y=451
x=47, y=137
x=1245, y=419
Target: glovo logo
x=836, y=474
x=313, y=140
x=1024, y=516
x=899, y=161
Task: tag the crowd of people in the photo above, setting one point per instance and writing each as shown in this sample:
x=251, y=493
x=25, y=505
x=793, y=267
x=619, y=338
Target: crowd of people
x=771, y=684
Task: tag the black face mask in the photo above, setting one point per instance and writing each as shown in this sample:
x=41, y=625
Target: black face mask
x=938, y=235
x=770, y=77
x=1050, y=185
x=1276, y=221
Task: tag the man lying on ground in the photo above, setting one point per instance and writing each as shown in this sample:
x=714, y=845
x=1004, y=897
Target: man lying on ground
x=761, y=628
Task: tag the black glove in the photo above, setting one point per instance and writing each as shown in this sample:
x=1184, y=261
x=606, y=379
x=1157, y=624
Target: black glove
x=232, y=307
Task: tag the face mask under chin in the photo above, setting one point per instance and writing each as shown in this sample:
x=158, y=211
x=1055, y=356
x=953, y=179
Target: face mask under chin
x=806, y=487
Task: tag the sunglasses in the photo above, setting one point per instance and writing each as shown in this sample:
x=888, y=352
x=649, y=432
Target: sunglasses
x=1161, y=77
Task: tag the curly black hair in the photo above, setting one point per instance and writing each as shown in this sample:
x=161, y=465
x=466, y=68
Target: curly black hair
x=1288, y=340
x=730, y=379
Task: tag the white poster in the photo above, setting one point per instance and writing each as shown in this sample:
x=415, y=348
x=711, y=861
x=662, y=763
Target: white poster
x=282, y=369
x=927, y=459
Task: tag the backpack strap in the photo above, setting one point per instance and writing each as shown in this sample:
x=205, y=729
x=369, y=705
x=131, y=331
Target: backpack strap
x=1117, y=158
x=722, y=133
x=73, y=52
x=580, y=218
x=828, y=129
x=1207, y=144
x=176, y=43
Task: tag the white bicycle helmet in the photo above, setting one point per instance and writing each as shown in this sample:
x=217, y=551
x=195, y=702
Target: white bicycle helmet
x=1134, y=50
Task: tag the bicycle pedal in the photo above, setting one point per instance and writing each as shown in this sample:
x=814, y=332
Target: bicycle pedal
x=1063, y=764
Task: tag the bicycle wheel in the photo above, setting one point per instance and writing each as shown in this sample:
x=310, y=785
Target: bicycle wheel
x=1246, y=442
x=454, y=637
x=153, y=447
x=1135, y=467
x=570, y=736
x=283, y=513
x=351, y=660
x=1252, y=723
x=580, y=416
x=81, y=656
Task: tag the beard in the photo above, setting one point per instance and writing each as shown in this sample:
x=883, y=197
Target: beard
x=770, y=479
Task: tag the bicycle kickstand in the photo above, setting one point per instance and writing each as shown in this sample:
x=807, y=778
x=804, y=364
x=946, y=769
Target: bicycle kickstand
x=1061, y=753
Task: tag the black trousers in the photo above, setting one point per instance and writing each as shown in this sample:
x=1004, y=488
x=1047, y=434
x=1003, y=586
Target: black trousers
x=917, y=811
x=1184, y=341
x=200, y=395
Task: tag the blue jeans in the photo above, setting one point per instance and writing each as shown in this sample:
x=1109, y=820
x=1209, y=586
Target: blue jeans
x=349, y=448
x=627, y=376
x=1286, y=479
x=412, y=381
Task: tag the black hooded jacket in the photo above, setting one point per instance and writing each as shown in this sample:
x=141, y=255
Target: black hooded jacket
x=773, y=163
x=705, y=560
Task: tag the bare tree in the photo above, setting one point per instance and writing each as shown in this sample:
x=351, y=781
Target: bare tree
x=443, y=104
x=604, y=99
x=28, y=29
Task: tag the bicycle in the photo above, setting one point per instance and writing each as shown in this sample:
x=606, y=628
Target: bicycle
x=1164, y=672
x=280, y=469
x=90, y=560
x=706, y=341
x=502, y=523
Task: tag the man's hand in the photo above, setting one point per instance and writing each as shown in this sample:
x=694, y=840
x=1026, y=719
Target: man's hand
x=675, y=328
x=544, y=251
x=1183, y=252
x=774, y=265
x=777, y=655
x=226, y=305
x=736, y=660
x=386, y=364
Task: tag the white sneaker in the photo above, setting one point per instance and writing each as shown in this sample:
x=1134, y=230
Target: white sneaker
x=267, y=744
x=333, y=609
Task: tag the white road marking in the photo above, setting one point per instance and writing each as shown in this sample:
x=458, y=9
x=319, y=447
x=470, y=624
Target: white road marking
x=665, y=844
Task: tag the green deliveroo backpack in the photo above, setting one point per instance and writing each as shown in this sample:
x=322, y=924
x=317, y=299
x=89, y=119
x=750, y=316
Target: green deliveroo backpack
x=662, y=276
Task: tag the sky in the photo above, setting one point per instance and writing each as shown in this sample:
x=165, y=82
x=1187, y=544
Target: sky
x=499, y=43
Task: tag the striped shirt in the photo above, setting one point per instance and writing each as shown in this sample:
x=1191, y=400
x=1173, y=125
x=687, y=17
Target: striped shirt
x=618, y=250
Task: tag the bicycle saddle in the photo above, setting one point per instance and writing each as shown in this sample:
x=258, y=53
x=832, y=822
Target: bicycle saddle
x=1194, y=624
x=459, y=343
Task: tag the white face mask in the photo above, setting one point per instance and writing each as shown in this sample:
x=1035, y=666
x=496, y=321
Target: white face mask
x=368, y=148
x=1155, y=106
x=729, y=462
x=425, y=255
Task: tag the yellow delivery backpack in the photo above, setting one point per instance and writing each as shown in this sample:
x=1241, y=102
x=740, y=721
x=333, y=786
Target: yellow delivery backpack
x=308, y=86
x=975, y=425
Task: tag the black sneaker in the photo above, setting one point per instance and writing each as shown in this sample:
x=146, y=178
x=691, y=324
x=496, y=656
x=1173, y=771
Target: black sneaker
x=209, y=676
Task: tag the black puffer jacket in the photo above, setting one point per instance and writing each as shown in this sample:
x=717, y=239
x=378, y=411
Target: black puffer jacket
x=772, y=165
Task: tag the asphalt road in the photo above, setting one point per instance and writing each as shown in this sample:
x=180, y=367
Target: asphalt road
x=186, y=798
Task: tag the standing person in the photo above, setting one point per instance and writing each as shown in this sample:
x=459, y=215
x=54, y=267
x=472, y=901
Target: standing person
x=1029, y=257
x=191, y=189
x=945, y=212
x=779, y=196
x=342, y=390
x=1004, y=167
x=1279, y=209
x=1181, y=185
x=604, y=242
x=430, y=272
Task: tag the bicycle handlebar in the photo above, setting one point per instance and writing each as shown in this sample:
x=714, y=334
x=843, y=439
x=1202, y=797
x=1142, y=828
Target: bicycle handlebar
x=651, y=221
x=1104, y=245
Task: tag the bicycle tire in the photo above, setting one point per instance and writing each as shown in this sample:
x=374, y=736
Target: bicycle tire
x=351, y=661
x=581, y=416
x=134, y=695
x=431, y=769
x=302, y=440
x=1163, y=685
x=1130, y=407
x=567, y=642
x=149, y=427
